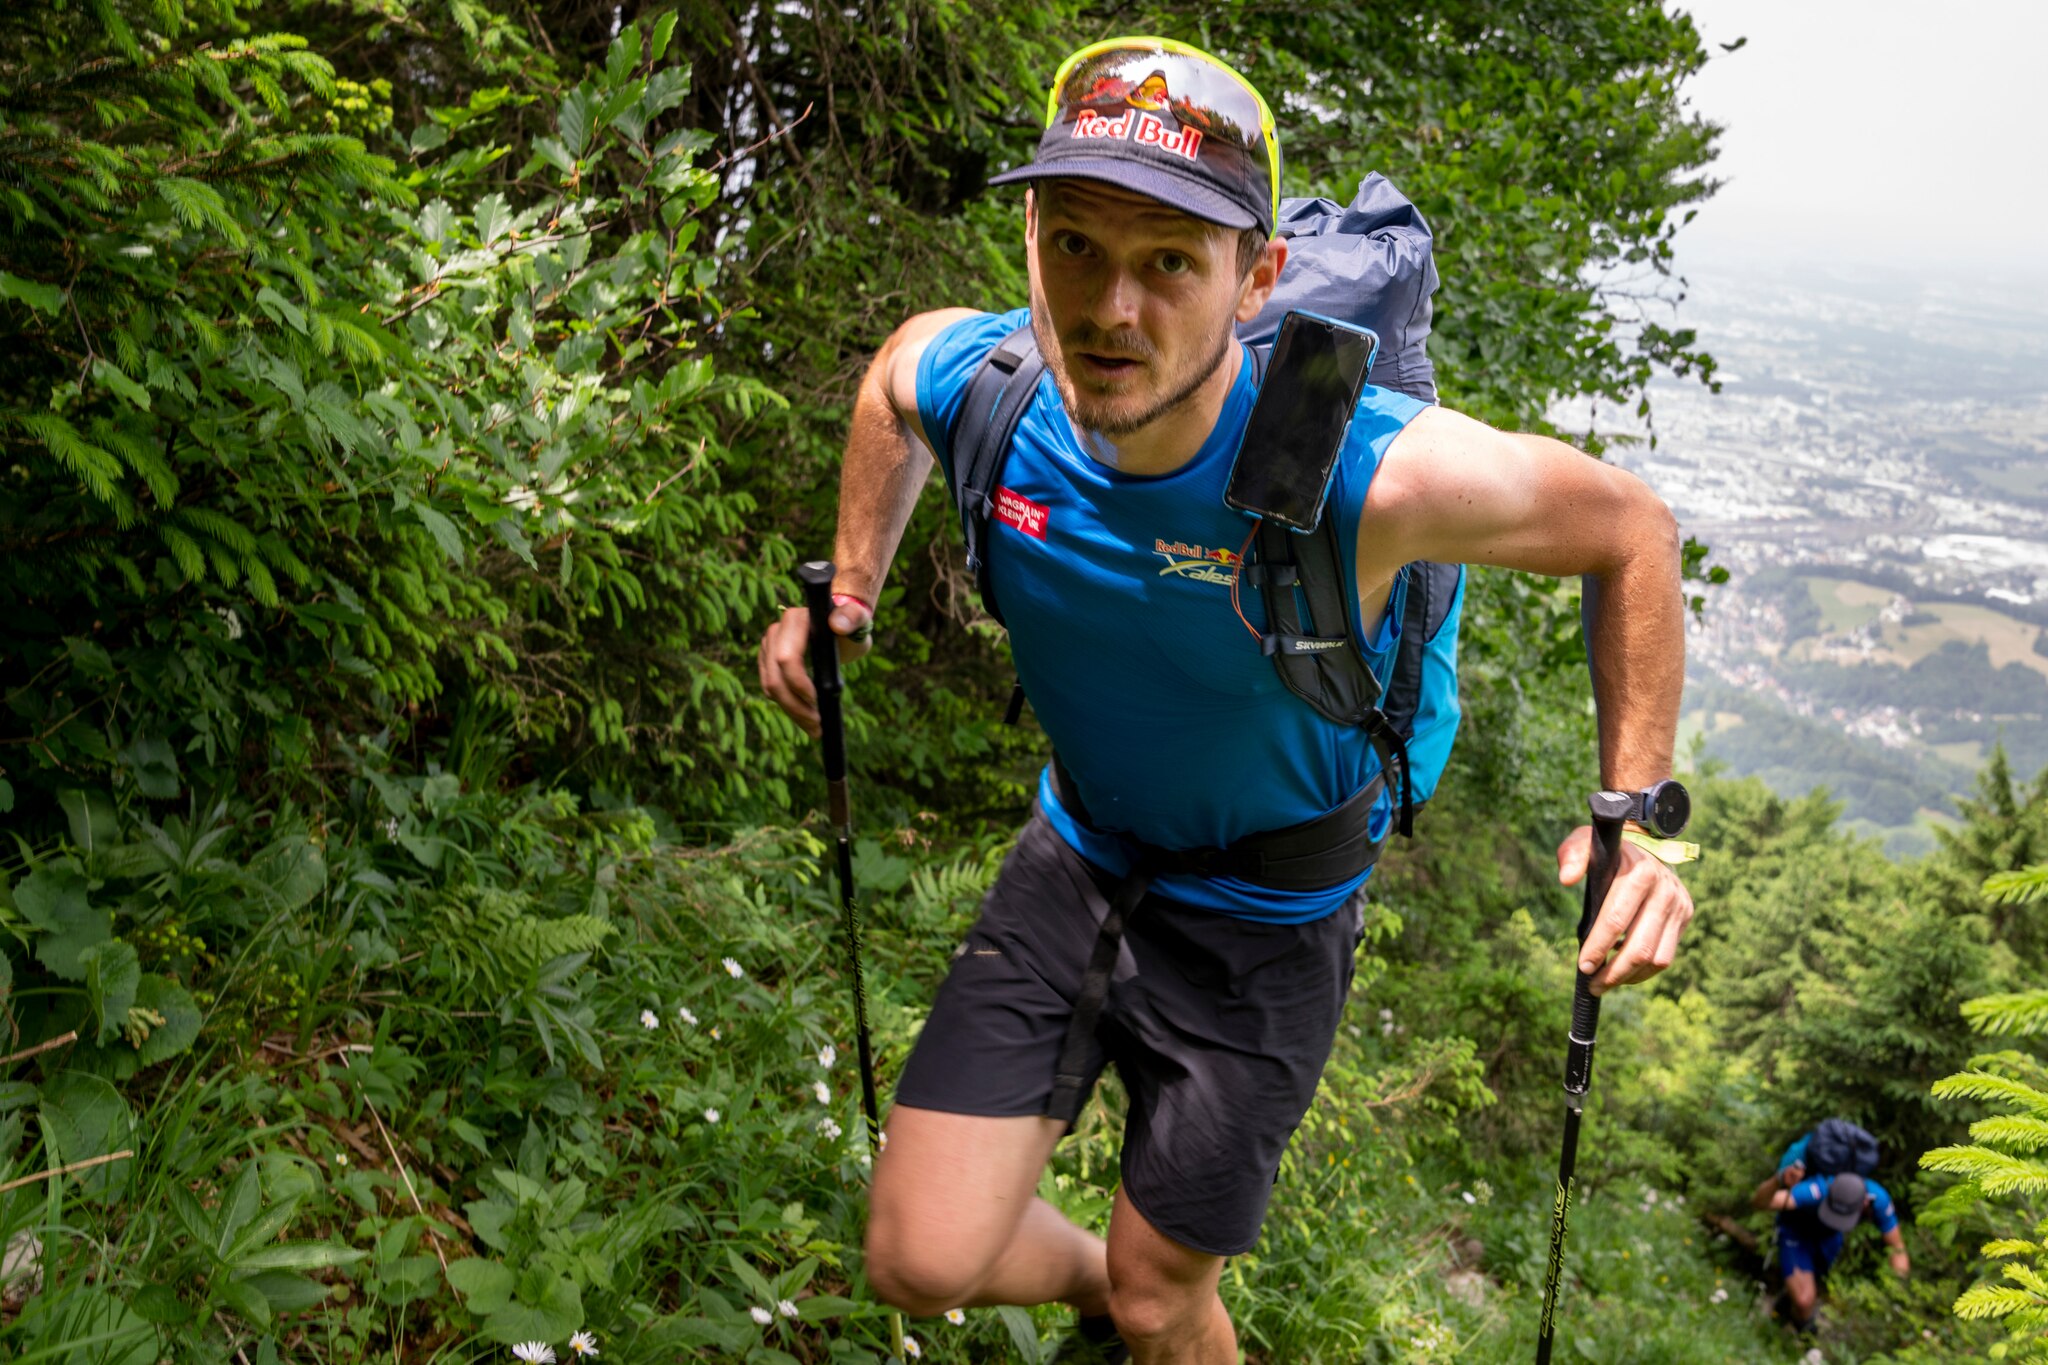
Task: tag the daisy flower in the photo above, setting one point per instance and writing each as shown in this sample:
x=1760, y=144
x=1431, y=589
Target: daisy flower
x=535, y=1352
x=716, y=1033
x=760, y=1315
x=583, y=1344
x=711, y=1116
x=827, y=1055
x=683, y=1013
x=911, y=1349
x=828, y=1127
x=785, y=1307
x=648, y=1019
x=733, y=968
x=822, y=1091
x=341, y=1158
x=955, y=1316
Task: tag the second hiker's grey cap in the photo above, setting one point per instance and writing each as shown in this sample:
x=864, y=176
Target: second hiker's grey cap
x=1842, y=1207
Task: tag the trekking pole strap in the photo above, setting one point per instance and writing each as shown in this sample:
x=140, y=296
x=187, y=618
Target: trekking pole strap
x=1314, y=855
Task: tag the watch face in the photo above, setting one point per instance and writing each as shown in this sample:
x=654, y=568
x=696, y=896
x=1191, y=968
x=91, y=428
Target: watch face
x=1670, y=807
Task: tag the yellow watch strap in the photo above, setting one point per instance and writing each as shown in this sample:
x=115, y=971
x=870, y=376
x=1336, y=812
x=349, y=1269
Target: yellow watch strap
x=1672, y=851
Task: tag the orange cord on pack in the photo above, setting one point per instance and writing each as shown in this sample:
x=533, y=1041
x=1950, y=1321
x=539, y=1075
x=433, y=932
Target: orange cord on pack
x=1237, y=572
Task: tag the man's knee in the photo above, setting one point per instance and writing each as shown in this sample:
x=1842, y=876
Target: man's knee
x=1157, y=1312
x=1803, y=1294
x=921, y=1280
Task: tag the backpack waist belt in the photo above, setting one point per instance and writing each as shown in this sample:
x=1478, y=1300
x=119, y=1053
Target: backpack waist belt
x=1311, y=856
x=1315, y=854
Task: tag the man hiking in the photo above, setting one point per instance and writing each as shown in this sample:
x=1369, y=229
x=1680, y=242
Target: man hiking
x=1815, y=1216
x=1148, y=237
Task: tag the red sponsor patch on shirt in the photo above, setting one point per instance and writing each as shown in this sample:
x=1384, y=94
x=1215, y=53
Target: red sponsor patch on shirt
x=1016, y=510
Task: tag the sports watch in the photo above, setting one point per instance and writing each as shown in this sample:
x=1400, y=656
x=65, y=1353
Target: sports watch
x=1662, y=807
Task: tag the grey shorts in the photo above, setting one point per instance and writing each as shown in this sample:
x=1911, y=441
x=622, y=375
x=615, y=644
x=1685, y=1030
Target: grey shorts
x=1219, y=1028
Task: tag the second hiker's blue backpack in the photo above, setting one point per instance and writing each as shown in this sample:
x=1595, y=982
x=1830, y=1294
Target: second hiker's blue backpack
x=1367, y=263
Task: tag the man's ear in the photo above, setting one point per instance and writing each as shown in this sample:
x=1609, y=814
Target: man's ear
x=1265, y=274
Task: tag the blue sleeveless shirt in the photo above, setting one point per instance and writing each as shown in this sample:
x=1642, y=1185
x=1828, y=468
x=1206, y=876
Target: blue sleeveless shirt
x=1116, y=590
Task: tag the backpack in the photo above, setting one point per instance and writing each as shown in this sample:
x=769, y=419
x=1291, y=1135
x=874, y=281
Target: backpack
x=1367, y=263
x=1837, y=1146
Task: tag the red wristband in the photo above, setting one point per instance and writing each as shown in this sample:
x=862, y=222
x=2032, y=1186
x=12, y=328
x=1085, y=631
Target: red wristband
x=840, y=599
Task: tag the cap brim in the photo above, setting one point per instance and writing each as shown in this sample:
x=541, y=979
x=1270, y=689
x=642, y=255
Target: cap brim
x=1187, y=193
x=1840, y=1222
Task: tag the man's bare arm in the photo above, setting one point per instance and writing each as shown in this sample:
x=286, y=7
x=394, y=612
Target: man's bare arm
x=886, y=465
x=888, y=458
x=1457, y=491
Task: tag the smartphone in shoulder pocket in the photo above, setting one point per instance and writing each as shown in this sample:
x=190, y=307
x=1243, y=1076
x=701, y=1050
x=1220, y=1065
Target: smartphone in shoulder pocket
x=1313, y=379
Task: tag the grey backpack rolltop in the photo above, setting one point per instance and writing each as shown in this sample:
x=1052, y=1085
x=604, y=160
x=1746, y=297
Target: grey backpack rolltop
x=1367, y=263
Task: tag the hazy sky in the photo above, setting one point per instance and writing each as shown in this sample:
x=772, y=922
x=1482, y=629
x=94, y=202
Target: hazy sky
x=1902, y=135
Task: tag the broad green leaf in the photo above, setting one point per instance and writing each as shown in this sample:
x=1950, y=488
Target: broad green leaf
x=83, y=1117
x=281, y=309
x=286, y=1292
x=435, y=220
x=237, y=1208
x=245, y=1299
x=427, y=137
x=91, y=817
x=45, y=298
x=515, y=540
x=485, y=1286
x=573, y=120
x=441, y=529
x=299, y=1256
x=53, y=899
x=1023, y=1333
x=493, y=218
x=112, y=972
x=664, y=28
x=557, y=1313
x=107, y=373
x=291, y=870
x=159, y=1303
x=154, y=765
x=181, y=1019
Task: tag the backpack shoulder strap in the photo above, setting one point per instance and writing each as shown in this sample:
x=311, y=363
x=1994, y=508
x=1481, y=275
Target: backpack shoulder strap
x=979, y=439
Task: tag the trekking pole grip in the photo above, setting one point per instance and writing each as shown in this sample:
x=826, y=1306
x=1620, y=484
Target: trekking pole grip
x=1609, y=810
x=816, y=576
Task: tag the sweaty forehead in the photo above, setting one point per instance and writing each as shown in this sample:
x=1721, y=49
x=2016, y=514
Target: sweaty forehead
x=1085, y=203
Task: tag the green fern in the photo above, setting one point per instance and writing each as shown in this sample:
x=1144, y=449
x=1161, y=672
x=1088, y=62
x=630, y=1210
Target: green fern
x=489, y=938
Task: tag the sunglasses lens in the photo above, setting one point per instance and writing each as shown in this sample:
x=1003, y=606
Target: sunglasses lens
x=1177, y=98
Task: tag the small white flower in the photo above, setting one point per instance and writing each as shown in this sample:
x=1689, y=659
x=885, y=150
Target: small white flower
x=583, y=1344
x=827, y=1055
x=391, y=828
x=711, y=1116
x=785, y=1307
x=683, y=1013
x=733, y=969
x=716, y=1033
x=828, y=1126
x=535, y=1352
x=822, y=1091
x=955, y=1316
x=1471, y=1198
x=230, y=620
x=1813, y=1357
x=1386, y=1014
x=883, y=1144
x=648, y=1019
x=1718, y=1296
x=341, y=1158
x=911, y=1348
x=761, y=1315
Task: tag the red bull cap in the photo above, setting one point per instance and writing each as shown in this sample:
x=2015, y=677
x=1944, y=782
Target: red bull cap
x=1167, y=120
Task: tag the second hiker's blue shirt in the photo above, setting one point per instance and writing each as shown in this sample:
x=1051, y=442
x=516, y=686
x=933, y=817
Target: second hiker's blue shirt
x=1116, y=591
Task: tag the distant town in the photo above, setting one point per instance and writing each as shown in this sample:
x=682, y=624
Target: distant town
x=1874, y=477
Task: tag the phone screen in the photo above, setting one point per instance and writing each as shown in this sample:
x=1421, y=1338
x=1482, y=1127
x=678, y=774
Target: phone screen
x=1298, y=421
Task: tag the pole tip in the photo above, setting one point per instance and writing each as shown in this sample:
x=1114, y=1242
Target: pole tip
x=816, y=572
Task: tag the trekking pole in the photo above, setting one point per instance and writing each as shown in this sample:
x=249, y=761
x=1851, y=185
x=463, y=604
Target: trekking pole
x=1609, y=810
x=817, y=581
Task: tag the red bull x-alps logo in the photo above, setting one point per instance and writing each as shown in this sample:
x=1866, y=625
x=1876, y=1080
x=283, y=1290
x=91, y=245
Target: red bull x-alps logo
x=1137, y=124
x=1195, y=561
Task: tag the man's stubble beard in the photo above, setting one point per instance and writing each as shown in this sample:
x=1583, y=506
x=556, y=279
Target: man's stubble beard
x=1087, y=413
